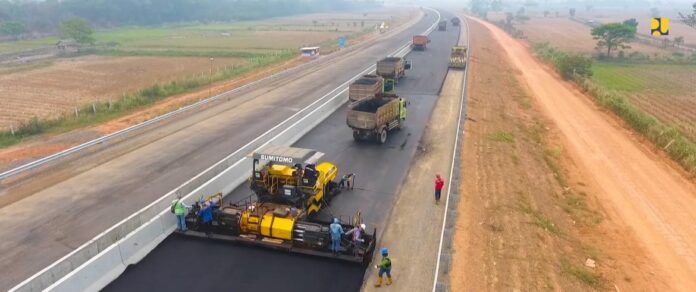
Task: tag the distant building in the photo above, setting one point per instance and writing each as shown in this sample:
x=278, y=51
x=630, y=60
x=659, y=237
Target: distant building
x=310, y=52
x=67, y=46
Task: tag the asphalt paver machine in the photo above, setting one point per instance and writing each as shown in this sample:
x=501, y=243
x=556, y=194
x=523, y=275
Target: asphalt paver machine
x=290, y=185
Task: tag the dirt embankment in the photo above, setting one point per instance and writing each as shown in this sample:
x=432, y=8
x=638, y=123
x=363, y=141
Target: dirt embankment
x=529, y=216
x=634, y=183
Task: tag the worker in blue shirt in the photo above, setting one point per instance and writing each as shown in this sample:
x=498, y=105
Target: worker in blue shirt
x=336, y=232
x=206, y=214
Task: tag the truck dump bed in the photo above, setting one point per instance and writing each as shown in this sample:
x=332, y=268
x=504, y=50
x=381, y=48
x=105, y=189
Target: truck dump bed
x=367, y=86
x=390, y=67
x=458, y=57
x=369, y=114
x=442, y=25
x=420, y=42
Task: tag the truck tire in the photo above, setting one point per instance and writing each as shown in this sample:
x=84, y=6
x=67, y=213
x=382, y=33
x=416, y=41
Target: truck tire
x=382, y=138
x=356, y=136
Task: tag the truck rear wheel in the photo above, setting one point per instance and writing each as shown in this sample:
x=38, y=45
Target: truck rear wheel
x=383, y=136
x=356, y=136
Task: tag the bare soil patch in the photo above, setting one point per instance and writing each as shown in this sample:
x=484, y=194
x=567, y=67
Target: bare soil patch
x=50, y=91
x=529, y=217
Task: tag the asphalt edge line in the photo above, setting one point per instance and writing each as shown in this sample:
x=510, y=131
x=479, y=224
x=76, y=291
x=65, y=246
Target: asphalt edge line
x=457, y=146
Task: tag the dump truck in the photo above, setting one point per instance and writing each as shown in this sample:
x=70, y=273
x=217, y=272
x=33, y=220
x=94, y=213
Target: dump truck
x=442, y=25
x=290, y=185
x=455, y=21
x=458, y=57
x=375, y=117
x=367, y=86
x=420, y=42
x=392, y=68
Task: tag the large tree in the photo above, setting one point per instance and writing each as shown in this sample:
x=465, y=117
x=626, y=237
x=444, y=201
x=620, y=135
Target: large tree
x=690, y=19
x=77, y=29
x=12, y=28
x=613, y=36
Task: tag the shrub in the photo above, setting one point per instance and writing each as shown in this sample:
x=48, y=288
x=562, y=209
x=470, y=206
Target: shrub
x=574, y=66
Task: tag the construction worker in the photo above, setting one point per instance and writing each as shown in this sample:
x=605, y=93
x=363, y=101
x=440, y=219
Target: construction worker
x=336, y=231
x=179, y=209
x=439, y=184
x=357, y=232
x=206, y=214
x=384, y=268
x=402, y=109
x=347, y=181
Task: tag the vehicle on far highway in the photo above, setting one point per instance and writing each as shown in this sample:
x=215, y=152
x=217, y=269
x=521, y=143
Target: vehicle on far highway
x=442, y=25
x=367, y=86
x=455, y=21
x=392, y=68
x=291, y=185
x=420, y=42
x=458, y=57
x=375, y=117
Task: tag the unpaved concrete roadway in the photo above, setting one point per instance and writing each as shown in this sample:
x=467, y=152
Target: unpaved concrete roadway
x=73, y=203
x=655, y=200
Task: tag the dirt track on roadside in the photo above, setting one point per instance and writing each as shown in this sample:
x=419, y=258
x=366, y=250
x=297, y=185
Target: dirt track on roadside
x=634, y=185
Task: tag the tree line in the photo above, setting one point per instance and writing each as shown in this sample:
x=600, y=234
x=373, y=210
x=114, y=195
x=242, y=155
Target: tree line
x=19, y=17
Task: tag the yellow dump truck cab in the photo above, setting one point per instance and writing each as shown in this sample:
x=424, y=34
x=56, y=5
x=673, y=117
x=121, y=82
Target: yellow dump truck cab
x=294, y=177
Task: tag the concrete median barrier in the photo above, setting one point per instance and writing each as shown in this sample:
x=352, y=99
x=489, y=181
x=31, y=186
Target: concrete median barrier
x=99, y=261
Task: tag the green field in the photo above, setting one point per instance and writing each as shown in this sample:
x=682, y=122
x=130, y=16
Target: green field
x=660, y=79
x=657, y=100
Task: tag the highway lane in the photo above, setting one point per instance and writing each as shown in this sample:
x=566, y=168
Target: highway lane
x=58, y=218
x=181, y=263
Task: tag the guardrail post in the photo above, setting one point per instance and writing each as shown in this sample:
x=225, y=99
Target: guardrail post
x=94, y=108
x=12, y=129
x=77, y=115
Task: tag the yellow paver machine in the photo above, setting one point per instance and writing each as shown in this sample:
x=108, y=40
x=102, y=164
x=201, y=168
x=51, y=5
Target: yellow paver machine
x=290, y=185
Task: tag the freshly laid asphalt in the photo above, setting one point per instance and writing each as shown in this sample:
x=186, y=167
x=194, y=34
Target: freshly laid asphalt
x=185, y=264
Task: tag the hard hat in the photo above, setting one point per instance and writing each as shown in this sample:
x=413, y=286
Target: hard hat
x=385, y=251
x=362, y=226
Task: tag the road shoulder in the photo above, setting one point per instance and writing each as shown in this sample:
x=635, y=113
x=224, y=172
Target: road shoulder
x=413, y=231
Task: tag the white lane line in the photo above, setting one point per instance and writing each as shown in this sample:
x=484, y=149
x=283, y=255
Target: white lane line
x=454, y=152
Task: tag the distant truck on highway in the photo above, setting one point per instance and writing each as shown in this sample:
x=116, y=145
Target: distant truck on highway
x=442, y=25
x=458, y=57
x=392, y=68
x=455, y=21
x=420, y=42
x=375, y=117
x=367, y=86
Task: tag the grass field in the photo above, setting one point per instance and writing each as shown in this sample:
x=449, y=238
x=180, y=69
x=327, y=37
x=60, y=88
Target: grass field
x=665, y=91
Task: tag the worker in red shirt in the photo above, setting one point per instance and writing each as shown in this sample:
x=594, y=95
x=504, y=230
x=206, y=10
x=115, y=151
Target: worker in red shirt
x=439, y=183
